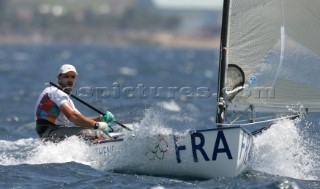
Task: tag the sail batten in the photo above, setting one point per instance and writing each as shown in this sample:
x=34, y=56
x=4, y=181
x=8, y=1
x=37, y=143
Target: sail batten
x=276, y=44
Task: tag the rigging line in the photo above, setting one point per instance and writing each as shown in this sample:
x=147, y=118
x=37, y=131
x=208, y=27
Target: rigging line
x=257, y=122
x=234, y=120
x=258, y=118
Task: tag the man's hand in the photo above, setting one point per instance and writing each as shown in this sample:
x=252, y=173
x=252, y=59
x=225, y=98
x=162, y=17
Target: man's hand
x=108, y=118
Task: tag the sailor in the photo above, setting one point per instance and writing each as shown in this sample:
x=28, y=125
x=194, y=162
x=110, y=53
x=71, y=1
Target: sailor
x=55, y=109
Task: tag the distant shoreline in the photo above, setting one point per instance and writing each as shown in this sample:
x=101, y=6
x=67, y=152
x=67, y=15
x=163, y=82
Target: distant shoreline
x=195, y=42
x=160, y=39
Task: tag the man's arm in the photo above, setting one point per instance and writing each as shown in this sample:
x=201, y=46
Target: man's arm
x=76, y=117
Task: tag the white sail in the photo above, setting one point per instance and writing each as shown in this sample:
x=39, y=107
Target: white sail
x=276, y=45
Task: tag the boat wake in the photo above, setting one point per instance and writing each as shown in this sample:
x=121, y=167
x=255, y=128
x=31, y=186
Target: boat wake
x=286, y=149
x=33, y=151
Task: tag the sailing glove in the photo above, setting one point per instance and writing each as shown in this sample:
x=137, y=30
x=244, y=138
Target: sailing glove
x=108, y=118
x=103, y=126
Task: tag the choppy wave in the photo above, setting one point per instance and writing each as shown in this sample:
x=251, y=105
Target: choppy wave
x=286, y=150
x=33, y=151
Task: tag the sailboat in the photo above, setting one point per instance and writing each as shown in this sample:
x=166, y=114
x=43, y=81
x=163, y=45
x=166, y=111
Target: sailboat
x=269, y=54
x=222, y=151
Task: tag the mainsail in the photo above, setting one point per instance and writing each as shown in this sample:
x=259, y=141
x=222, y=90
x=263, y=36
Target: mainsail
x=272, y=55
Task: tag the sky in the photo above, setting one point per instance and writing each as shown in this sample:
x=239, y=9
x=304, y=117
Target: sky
x=208, y=4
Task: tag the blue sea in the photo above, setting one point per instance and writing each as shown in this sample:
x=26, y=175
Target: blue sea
x=155, y=87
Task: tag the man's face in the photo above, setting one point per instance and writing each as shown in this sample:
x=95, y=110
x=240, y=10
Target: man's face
x=67, y=80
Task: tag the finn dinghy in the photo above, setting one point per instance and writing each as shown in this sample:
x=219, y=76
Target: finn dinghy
x=269, y=61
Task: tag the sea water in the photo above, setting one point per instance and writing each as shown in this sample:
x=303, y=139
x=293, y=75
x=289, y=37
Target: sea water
x=284, y=156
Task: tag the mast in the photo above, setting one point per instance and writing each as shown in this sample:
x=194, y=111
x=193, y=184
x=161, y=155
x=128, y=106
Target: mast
x=221, y=105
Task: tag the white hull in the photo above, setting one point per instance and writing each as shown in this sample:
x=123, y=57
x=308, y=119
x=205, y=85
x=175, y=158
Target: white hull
x=221, y=152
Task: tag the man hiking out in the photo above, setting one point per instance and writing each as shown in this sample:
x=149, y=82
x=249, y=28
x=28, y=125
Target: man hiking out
x=55, y=109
